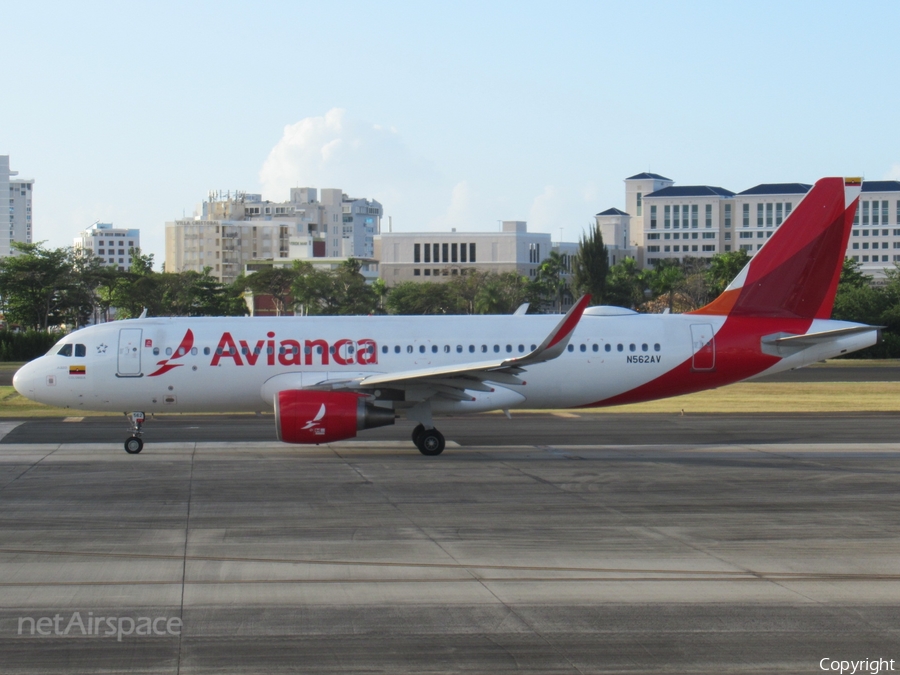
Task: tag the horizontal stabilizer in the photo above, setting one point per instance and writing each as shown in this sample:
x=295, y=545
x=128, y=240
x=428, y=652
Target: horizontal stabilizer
x=783, y=343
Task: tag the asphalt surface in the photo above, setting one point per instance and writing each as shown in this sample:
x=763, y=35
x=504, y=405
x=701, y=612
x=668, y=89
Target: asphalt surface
x=542, y=429
x=367, y=557
x=549, y=543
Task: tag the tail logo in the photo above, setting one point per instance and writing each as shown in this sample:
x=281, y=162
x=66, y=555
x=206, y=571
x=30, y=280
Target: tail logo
x=314, y=424
x=187, y=342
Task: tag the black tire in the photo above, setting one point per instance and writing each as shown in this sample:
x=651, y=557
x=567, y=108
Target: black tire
x=431, y=442
x=133, y=445
x=416, y=433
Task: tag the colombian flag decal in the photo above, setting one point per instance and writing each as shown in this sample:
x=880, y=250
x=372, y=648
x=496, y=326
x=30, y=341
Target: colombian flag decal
x=77, y=370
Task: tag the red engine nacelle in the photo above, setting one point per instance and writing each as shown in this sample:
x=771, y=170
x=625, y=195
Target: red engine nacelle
x=325, y=416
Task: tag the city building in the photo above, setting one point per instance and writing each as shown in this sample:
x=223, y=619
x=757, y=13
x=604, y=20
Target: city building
x=667, y=221
x=615, y=228
x=19, y=226
x=875, y=238
x=230, y=230
x=113, y=246
x=436, y=256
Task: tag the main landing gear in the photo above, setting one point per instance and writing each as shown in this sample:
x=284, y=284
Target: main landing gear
x=134, y=444
x=428, y=441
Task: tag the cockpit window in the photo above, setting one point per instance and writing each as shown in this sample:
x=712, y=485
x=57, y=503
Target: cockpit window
x=65, y=350
x=80, y=350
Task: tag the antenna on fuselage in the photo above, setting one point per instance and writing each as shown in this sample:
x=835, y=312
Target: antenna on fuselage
x=143, y=314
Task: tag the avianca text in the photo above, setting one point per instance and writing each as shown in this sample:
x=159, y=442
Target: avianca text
x=289, y=352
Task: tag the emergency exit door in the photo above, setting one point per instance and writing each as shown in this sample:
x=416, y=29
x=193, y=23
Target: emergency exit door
x=704, y=347
x=129, y=364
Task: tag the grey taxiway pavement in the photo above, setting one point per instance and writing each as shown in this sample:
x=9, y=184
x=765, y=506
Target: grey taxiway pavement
x=760, y=555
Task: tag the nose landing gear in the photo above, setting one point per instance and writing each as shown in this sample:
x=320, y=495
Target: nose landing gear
x=134, y=444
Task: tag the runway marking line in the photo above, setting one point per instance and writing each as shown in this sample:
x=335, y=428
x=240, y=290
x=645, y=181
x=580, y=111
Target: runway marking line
x=812, y=577
x=635, y=574
x=73, y=419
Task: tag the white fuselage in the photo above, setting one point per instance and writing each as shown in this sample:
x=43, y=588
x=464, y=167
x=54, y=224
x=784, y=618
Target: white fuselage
x=136, y=364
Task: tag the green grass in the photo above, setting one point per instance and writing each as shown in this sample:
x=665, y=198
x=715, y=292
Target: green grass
x=777, y=397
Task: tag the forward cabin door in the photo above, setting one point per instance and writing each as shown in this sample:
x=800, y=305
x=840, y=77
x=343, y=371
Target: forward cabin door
x=704, y=347
x=129, y=352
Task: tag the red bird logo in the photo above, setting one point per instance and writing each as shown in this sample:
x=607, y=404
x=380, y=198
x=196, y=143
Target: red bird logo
x=184, y=348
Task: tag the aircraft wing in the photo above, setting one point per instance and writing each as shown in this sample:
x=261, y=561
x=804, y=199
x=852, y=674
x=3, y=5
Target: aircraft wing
x=454, y=379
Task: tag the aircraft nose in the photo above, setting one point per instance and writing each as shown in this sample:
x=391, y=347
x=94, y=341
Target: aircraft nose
x=23, y=380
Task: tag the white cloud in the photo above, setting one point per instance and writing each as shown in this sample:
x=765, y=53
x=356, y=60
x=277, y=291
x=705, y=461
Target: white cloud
x=363, y=159
x=893, y=173
x=546, y=210
x=459, y=213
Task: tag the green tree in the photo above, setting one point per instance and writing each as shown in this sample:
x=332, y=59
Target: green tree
x=693, y=291
x=427, y=297
x=192, y=293
x=549, y=287
x=35, y=284
x=665, y=279
x=592, y=266
x=277, y=282
x=342, y=291
x=138, y=289
x=625, y=284
x=503, y=293
x=723, y=268
x=381, y=292
x=858, y=300
x=187, y=293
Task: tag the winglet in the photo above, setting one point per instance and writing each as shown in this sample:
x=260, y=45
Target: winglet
x=555, y=343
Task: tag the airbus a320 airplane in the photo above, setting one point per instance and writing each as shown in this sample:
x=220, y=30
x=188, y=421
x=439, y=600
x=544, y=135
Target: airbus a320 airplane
x=329, y=377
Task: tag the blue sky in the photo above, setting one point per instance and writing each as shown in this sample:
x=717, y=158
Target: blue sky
x=451, y=114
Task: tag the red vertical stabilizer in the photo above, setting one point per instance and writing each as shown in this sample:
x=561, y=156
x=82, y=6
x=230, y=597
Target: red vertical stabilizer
x=795, y=274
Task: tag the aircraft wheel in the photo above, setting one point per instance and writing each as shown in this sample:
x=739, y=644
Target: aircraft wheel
x=133, y=445
x=431, y=442
x=417, y=433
